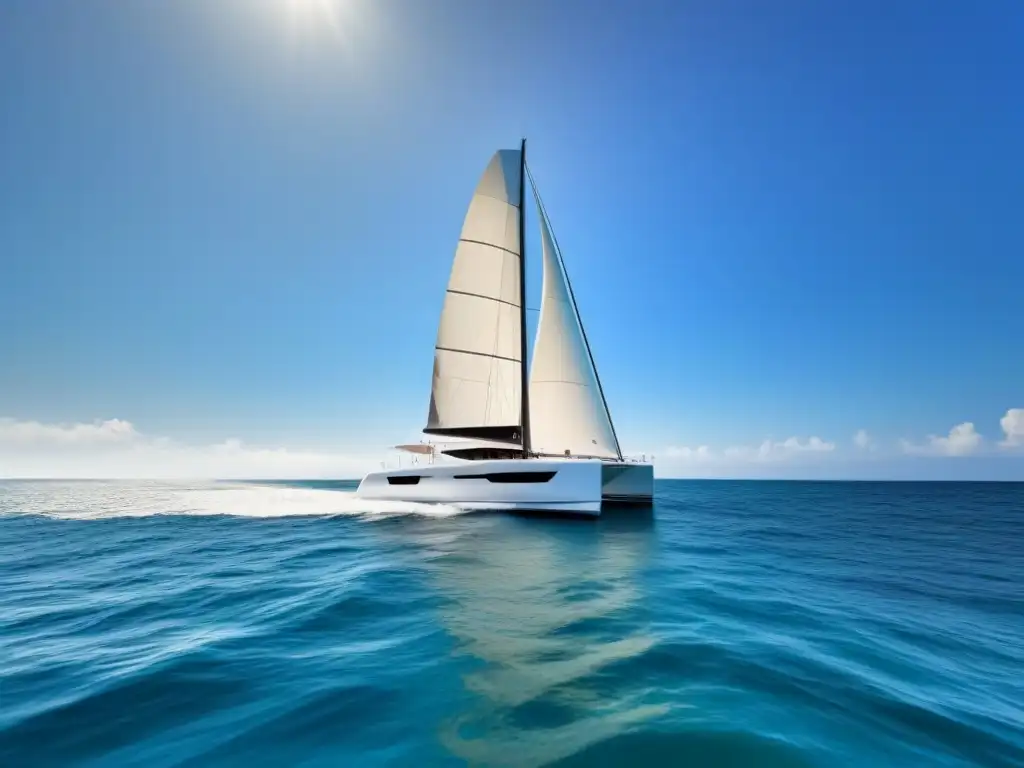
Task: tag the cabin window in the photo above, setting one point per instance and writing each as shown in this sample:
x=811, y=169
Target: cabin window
x=510, y=477
x=403, y=479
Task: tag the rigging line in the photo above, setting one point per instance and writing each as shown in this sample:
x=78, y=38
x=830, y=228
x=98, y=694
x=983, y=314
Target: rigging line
x=576, y=310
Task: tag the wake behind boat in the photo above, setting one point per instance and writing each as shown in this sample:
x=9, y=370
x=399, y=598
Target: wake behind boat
x=543, y=444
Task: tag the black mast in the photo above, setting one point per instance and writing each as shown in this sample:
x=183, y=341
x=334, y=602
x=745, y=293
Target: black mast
x=524, y=398
x=579, y=320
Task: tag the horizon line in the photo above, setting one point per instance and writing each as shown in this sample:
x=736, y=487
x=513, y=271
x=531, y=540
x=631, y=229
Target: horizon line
x=100, y=479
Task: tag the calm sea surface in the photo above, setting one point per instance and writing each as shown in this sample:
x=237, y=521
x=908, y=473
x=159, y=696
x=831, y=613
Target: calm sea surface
x=742, y=624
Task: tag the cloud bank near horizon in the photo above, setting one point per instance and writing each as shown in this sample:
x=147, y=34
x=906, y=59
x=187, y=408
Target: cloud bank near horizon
x=115, y=448
x=962, y=453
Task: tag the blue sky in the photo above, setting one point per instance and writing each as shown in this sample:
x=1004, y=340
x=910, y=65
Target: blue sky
x=229, y=225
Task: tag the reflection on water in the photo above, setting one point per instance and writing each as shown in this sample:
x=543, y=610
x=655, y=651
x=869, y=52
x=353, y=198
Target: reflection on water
x=545, y=610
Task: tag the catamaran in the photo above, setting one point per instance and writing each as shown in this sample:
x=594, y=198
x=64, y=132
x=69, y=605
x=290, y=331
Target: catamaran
x=543, y=442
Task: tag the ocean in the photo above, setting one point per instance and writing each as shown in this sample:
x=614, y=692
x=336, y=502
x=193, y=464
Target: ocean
x=740, y=624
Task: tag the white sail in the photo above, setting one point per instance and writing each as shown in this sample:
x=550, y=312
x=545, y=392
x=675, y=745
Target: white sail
x=567, y=409
x=477, y=385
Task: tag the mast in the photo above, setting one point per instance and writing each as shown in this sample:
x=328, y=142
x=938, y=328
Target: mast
x=579, y=319
x=524, y=399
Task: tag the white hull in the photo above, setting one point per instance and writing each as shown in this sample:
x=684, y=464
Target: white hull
x=567, y=486
x=528, y=485
x=627, y=483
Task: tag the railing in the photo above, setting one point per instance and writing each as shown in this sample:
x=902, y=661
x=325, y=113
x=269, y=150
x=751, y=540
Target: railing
x=401, y=460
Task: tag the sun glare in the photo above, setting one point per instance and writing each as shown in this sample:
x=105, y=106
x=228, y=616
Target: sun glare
x=318, y=12
x=346, y=21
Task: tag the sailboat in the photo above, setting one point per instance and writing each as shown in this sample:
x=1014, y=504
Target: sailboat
x=528, y=440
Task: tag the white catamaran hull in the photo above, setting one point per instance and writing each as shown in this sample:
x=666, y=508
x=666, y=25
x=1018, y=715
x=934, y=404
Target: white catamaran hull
x=527, y=485
x=573, y=486
x=627, y=483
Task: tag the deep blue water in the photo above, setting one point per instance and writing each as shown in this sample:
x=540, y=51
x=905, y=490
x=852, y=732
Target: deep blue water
x=742, y=624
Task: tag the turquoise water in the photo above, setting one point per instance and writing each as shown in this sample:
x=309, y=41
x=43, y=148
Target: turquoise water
x=743, y=624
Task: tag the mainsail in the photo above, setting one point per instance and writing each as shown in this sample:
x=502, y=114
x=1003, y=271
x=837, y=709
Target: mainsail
x=568, y=412
x=478, y=385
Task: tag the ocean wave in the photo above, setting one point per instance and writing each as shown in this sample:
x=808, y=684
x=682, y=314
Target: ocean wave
x=264, y=624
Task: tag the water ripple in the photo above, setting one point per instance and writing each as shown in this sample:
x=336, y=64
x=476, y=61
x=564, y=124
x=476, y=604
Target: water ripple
x=744, y=624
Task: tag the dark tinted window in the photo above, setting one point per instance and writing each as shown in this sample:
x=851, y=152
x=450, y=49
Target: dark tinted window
x=510, y=477
x=404, y=480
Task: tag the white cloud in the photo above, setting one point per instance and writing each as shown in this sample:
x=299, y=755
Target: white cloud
x=864, y=455
x=793, y=444
x=781, y=451
x=962, y=440
x=29, y=433
x=1013, y=427
x=700, y=453
x=765, y=452
x=115, y=448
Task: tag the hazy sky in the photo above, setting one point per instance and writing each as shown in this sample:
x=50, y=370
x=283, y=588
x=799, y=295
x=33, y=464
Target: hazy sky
x=794, y=229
